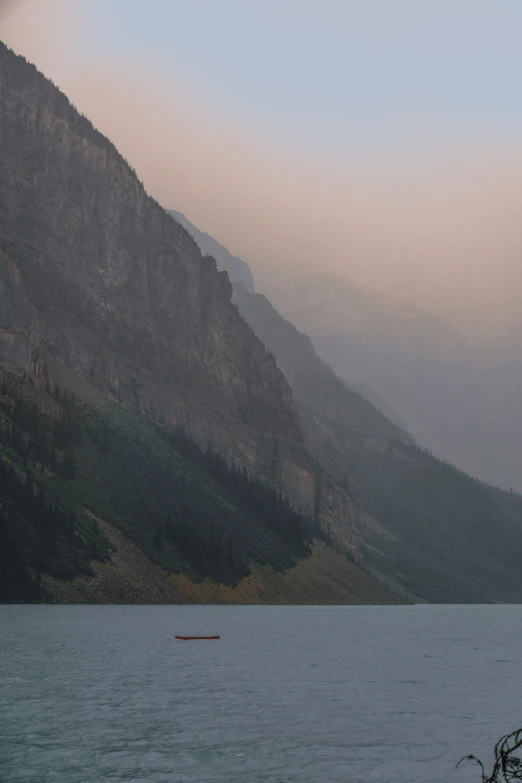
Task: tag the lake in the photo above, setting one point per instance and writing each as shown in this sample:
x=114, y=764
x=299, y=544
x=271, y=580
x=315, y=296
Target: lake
x=305, y=694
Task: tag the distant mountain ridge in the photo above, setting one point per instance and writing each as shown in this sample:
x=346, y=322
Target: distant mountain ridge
x=461, y=403
x=237, y=269
x=427, y=529
x=377, y=402
x=327, y=306
x=313, y=382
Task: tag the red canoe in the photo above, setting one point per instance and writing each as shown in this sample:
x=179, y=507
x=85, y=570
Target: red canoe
x=192, y=638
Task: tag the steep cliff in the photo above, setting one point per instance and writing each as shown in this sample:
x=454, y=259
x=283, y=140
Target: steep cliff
x=237, y=269
x=139, y=412
x=100, y=286
x=95, y=273
x=425, y=527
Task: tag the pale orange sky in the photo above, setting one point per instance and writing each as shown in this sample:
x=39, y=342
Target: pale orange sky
x=436, y=221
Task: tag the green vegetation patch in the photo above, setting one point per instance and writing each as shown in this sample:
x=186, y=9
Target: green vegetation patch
x=188, y=508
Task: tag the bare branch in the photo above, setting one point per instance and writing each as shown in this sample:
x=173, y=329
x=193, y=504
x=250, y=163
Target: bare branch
x=507, y=767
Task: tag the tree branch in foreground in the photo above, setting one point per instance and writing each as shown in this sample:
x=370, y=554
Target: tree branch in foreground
x=506, y=767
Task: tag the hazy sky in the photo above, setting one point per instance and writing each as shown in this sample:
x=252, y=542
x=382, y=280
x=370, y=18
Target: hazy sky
x=378, y=139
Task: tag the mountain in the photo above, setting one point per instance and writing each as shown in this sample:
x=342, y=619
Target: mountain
x=154, y=448
x=237, y=270
x=427, y=529
x=505, y=350
x=465, y=408
x=135, y=400
x=313, y=382
x=377, y=401
x=327, y=306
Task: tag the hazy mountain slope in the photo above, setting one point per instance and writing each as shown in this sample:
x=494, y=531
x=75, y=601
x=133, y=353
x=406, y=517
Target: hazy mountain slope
x=238, y=271
x=506, y=349
x=377, y=401
x=464, y=408
x=314, y=383
x=326, y=306
x=96, y=277
x=496, y=400
x=427, y=528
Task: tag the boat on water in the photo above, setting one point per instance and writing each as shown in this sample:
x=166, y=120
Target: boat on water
x=194, y=638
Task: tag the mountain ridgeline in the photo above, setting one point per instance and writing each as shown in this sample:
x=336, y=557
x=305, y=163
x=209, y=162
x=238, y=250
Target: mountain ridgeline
x=427, y=529
x=107, y=296
x=162, y=441
x=237, y=270
x=461, y=401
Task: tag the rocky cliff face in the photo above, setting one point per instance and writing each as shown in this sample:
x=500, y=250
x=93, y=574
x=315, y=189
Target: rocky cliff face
x=103, y=290
x=237, y=269
x=96, y=275
x=423, y=526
